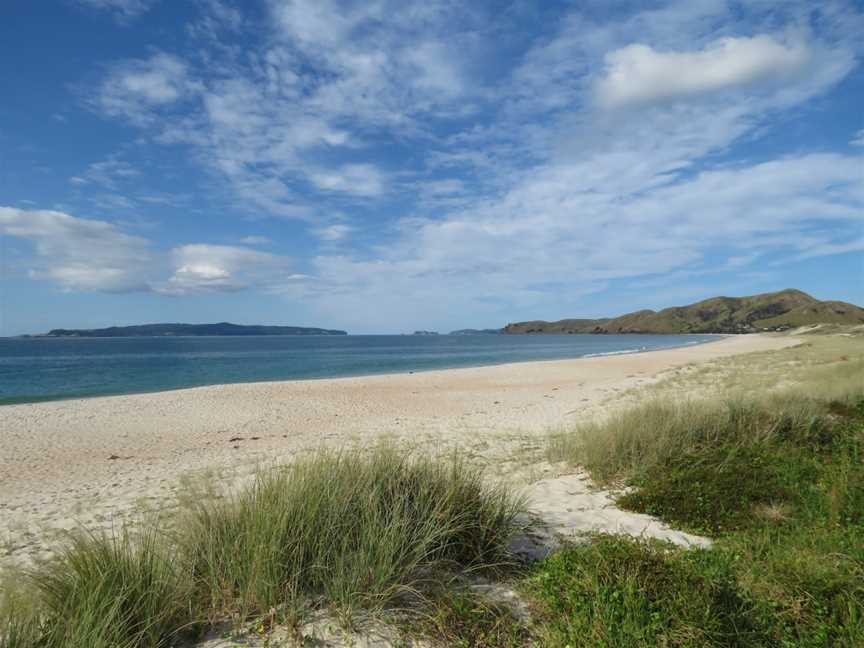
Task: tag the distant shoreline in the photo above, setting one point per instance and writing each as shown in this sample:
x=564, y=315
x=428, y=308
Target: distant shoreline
x=329, y=335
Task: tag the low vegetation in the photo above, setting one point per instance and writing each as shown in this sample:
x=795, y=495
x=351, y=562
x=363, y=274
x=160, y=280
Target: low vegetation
x=339, y=531
x=461, y=618
x=777, y=478
x=621, y=591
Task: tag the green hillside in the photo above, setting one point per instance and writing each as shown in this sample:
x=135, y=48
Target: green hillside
x=766, y=312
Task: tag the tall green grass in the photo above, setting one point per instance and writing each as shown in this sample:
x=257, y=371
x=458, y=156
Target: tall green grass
x=634, y=441
x=776, y=476
x=354, y=531
x=338, y=530
x=108, y=590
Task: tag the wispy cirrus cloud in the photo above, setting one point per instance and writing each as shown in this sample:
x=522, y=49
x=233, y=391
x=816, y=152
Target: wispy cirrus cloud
x=330, y=77
x=555, y=237
x=357, y=179
x=334, y=232
x=106, y=173
x=601, y=151
x=123, y=10
x=140, y=90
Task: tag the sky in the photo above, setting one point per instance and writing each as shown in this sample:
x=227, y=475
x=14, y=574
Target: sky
x=389, y=165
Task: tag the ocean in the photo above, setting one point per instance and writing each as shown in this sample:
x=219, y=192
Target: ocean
x=37, y=369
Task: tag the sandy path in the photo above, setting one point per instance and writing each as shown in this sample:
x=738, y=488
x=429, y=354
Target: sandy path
x=87, y=460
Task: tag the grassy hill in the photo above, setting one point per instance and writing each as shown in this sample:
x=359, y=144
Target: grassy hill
x=766, y=312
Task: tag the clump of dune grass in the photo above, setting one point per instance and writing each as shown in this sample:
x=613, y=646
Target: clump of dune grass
x=118, y=589
x=353, y=531
x=106, y=590
x=637, y=439
x=347, y=532
x=20, y=626
x=716, y=464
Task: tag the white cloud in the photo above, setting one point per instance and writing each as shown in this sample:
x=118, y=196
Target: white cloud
x=124, y=10
x=84, y=255
x=333, y=233
x=107, y=173
x=357, y=179
x=437, y=71
x=446, y=187
x=221, y=268
x=858, y=139
x=322, y=22
x=328, y=77
x=828, y=248
x=217, y=17
x=255, y=240
x=638, y=73
x=79, y=254
x=134, y=89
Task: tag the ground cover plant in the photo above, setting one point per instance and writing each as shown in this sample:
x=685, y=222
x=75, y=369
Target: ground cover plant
x=462, y=618
x=776, y=477
x=622, y=591
x=347, y=532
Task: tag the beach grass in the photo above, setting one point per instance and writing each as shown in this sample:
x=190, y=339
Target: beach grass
x=461, y=618
x=349, y=532
x=775, y=476
x=354, y=531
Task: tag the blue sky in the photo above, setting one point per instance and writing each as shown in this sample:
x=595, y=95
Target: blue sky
x=383, y=166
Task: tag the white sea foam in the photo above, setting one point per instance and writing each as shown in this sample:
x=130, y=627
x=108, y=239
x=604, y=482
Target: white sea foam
x=610, y=353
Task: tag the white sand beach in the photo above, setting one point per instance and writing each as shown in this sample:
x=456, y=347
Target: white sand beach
x=88, y=461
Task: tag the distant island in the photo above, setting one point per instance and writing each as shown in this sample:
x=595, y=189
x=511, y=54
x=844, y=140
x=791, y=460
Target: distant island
x=425, y=333
x=168, y=330
x=476, y=332
x=776, y=311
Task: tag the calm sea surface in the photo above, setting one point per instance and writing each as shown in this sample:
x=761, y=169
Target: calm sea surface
x=54, y=368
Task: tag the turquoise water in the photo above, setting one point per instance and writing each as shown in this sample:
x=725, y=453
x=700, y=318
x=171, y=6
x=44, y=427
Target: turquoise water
x=54, y=368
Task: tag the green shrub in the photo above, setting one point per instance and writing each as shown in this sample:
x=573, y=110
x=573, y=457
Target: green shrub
x=715, y=490
x=619, y=591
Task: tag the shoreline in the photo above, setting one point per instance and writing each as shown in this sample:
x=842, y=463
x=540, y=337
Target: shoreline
x=98, y=461
x=76, y=397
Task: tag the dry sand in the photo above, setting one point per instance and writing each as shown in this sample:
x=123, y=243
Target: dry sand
x=88, y=461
